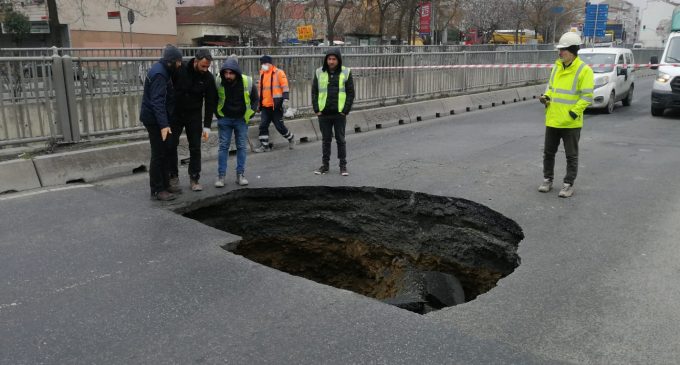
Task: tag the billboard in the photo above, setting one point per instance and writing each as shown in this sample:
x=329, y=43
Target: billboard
x=305, y=33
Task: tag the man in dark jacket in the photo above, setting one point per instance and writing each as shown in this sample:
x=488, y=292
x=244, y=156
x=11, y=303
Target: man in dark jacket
x=237, y=101
x=194, y=85
x=332, y=98
x=157, y=112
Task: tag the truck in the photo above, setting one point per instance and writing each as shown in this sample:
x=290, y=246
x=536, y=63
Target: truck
x=666, y=87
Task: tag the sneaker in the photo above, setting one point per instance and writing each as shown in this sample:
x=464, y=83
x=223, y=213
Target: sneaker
x=219, y=183
x=291, y=142
x=263, y=148
x=163, y=196
x=173, y=186
x=567, y=191
x=195, y=186
x=241, y=180
x=344, y=172
x=546, y=186
x=321, y=170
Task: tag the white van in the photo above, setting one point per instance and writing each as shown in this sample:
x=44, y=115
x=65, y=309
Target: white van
x=612, y=83
x=666, y=88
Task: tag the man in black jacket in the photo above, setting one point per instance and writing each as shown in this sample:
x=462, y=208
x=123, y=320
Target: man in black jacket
x=194, y=86
x=332, y=98
x=157, y=113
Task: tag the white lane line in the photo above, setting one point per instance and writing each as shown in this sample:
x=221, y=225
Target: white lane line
x=43, y=191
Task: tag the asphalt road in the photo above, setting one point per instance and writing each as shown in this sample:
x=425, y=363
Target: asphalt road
x=103, y=275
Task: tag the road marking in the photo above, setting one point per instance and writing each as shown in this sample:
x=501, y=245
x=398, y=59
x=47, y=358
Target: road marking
x=43, y=191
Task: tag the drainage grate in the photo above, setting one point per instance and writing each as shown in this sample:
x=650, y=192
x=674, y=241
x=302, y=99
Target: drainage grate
x=416, y=251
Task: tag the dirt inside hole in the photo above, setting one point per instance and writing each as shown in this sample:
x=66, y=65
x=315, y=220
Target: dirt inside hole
x=416, y=251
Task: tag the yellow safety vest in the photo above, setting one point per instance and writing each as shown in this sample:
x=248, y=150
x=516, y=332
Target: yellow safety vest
x=569, y=89
x=221, y=97
x=322, y=82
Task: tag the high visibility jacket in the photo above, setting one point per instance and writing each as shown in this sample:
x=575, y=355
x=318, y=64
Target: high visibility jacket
x=273, y=85
x=322, y=80
x=221, y=96
x=569, y=89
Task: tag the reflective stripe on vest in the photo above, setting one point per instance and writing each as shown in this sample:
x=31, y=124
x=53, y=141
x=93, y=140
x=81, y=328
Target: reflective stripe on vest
x=322, y=79
x=221, y=97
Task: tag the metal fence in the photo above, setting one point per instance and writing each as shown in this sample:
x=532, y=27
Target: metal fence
x=71, y=99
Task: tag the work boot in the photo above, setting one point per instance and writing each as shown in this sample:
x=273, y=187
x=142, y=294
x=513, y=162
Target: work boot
x=263, y=148
x=567, y=191
x=546, y=186
x=241, y=180
x=291, y=142
x=321, y=170
x=173, y=186
x=219, y=183
x=343, y=171
x=163, y=196
x=195, y=186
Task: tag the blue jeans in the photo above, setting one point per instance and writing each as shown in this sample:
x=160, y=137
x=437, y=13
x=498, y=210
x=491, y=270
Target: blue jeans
x=224, y=128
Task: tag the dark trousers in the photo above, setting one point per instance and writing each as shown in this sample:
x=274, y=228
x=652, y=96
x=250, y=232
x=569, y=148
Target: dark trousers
x=158, y=167
x=269, y=115
x=328, y=124
x=193, y=130
x=570, y=137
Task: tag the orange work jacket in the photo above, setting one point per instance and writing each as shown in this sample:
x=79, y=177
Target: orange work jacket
x=273, y=83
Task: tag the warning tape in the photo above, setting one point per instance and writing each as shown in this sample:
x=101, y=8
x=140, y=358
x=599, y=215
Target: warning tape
x=518, y=65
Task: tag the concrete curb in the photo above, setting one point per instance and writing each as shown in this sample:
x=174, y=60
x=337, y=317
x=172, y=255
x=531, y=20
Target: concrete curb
x=92, y=164
x=18, y=175
x=103, y=162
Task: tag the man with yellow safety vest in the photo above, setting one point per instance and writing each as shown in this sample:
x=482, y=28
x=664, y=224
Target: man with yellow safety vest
x=332, y=98
x=274, y=92
x=569, y=92
x=236, y=103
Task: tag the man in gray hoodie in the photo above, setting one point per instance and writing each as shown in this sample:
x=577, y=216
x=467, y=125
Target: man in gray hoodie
x=332, y=98
x=237, y=101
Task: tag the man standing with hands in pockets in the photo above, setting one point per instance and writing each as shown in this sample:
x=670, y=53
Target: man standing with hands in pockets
x=332, y=98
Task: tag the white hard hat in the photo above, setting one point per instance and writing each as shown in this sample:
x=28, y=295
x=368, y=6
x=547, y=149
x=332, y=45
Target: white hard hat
x=569, y=39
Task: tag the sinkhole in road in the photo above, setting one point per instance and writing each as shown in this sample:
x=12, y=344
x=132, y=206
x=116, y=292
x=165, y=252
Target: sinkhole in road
x=416, y=251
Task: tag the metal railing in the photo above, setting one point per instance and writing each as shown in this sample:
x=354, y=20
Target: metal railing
x=69, y=99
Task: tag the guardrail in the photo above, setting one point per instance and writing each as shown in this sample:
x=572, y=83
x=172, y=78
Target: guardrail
x=71, y=99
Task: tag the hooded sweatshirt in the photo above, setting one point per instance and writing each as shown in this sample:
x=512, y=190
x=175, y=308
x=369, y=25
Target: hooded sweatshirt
x=333, y=87
x=158, y=100
x=235, y=104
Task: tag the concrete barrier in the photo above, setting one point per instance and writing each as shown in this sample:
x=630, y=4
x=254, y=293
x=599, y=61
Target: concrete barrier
x=18, y=175
x=528, y=93
x=92, y=164
x=457, y=104
x=482, y=100
x=425, y=110
x=507, y=96
x=382, y=117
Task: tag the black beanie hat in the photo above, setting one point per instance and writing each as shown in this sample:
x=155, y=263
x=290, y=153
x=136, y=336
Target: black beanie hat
x=573, y=49
x=265, y=59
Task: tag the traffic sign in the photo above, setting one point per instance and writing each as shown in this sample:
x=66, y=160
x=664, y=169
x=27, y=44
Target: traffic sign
x=595, y=23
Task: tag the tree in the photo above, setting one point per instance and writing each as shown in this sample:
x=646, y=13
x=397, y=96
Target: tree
x=53, y=22
x=18, y=25
x=383, y=6
x=332, y=12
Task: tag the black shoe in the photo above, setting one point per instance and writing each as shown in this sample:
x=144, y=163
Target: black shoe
x=343, y=171
x=321, y=170
x=163, y=196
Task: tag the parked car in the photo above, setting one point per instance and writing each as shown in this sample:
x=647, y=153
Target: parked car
x=613, y=81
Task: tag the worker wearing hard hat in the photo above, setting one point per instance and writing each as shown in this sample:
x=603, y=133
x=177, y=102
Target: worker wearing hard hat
x=569, y=92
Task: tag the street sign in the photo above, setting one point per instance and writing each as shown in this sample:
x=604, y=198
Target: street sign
x=131, y=16
x=113, y=14
x=305, y=33
x=595, y=23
